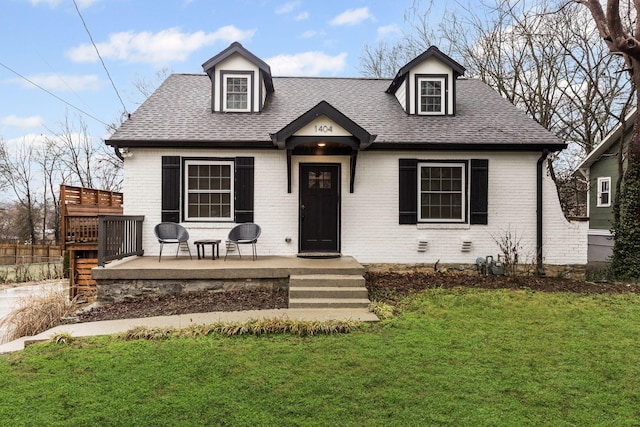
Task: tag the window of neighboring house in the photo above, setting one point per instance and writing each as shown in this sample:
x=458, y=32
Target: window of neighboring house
x=209, y=190
x=431, y=95
x=236, y=93
x=442, y=192
x=604, y=192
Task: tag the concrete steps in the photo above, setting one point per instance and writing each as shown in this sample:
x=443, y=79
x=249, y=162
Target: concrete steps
x=328, y=291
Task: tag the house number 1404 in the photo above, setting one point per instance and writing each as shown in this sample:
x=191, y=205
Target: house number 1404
x=323, y=128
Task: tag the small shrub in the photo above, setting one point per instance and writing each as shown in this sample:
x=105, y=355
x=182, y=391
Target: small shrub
x=62, y=338
x=36, y=314
x=382, y=310
x=508, y=242
x=256, y=327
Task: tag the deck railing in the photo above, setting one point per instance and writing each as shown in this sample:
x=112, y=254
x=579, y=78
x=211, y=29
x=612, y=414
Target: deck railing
x=119, y=236
x=80, y=229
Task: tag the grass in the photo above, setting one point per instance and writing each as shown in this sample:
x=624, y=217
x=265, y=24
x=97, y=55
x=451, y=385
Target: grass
x=459, y=357
x=20, y=273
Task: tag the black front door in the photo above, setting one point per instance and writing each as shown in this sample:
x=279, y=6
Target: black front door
x=319, y=207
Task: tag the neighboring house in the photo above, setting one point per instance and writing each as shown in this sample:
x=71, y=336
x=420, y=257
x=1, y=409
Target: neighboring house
x=600, y=168
x=424, y=167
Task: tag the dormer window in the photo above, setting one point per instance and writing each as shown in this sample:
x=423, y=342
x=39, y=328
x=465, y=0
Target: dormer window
x=236, y=93
x=426, y=86
x=432, y=95
x=240, y=81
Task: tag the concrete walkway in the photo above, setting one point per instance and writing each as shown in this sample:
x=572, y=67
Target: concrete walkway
x=108, y=327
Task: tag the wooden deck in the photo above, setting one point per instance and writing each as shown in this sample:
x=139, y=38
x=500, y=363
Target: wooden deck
x=79, y=210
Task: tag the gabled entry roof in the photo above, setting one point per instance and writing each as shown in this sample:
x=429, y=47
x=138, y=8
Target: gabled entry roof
x=360, y=138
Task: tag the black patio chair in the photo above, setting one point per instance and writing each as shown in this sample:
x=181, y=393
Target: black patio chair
x=243, y=234
x=171, y=233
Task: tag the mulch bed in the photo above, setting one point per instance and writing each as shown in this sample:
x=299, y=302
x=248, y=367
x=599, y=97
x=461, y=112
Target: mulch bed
x=254, y=299
x=383, y=286
x=390, y=287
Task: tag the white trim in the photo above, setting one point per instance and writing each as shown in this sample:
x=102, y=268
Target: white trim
x=230, y=191
x=246, y=77
x=602, y=180
x=599, y=232
x=463, y=192
x=443, y=92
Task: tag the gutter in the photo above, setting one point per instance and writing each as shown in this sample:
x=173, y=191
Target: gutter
x=539, y=264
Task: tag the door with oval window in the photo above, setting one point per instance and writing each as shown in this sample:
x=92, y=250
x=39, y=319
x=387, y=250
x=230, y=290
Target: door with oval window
x=319, y=215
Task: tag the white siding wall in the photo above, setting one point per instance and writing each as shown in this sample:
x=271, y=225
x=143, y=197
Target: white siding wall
x=401, y=95
x=370, y=231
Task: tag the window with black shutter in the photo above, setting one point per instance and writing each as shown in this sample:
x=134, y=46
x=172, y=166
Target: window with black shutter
x=437, y=191
x=212, y=189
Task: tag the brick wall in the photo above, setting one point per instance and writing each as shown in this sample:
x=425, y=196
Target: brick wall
x=370, y=231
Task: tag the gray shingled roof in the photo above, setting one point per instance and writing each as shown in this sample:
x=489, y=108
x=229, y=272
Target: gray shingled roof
x=180, y=110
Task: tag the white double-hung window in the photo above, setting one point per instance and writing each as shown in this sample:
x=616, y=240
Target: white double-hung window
x=236, y=93
x=208, y=190
x=442, y=189
x=604, y=192
x=431, y=95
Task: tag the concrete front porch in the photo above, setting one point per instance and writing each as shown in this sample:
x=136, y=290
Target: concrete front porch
x=317, y=283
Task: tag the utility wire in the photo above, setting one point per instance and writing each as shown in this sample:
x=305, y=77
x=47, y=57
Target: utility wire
x=55, y=96
x=99, y=56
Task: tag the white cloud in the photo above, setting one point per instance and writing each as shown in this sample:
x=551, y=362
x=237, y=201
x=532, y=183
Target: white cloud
x=307, y=64
x=302, y=16
x=156, y=48
x=312, y=33
x=287, y=7
x=62, y=83
x=14, y=121
x=352, y=17
x=387, y=30
x=34, y=140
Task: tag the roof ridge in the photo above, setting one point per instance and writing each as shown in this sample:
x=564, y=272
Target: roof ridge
x=333, y=78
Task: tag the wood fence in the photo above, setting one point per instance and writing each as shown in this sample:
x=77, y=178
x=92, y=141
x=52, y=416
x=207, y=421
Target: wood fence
x=29, y=254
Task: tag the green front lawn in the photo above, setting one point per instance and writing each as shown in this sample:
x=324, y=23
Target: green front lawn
x=459, y=357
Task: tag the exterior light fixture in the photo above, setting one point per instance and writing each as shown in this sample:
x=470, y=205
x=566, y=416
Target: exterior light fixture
x=321, y=144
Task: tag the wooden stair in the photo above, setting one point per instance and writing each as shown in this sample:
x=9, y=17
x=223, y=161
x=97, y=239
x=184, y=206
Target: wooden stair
x=328, y=291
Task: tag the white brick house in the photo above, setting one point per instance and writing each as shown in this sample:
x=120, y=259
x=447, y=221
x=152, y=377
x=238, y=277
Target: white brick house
x=426, y=166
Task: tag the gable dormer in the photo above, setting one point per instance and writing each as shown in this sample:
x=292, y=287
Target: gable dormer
x=427, y=84
x=240, y=81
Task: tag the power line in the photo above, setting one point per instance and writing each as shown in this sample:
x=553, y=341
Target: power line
x=55, y=96
x=99, y=56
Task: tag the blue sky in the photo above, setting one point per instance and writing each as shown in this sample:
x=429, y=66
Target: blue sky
x=45, y=41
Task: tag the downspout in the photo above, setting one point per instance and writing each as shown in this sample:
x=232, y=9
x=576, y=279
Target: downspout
x=539, y=166
x=118, y=153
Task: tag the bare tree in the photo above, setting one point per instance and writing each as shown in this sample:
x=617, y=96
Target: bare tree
x=619, y=28
x=383, y=59
x=543, y=59
x=17, y=170
x=49, y=160
x=83, y=161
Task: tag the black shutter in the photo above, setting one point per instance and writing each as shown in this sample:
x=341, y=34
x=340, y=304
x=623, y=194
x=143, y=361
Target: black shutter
x=479, y=191
x=244, y=189
x=170, y=189
x=408, y=191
